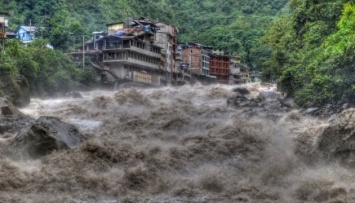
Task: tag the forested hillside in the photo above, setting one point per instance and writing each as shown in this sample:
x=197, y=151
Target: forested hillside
x=314, y=52
x=234, y=25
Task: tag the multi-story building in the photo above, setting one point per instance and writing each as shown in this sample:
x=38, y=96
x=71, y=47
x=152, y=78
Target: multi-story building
x=220, y=67
x=197, y=56
x=127, y=52
x=166, y=38
x=255, y=76
x=239, y=73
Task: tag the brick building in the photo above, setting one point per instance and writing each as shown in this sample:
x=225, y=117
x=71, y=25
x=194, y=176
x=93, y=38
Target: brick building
x=197, y=56
x=220, y=67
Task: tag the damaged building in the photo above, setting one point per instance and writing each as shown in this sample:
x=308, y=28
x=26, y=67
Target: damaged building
x=126, y=52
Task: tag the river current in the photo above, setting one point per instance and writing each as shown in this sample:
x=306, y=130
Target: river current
x=172, y=144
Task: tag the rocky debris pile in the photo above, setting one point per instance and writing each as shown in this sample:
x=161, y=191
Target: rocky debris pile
x=326, y=110
x=268, y=103
x=332, y=142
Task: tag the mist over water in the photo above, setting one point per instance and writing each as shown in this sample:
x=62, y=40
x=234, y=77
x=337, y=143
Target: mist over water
x=173, y=144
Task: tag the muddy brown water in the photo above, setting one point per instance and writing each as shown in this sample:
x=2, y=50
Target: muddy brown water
x=172, y=145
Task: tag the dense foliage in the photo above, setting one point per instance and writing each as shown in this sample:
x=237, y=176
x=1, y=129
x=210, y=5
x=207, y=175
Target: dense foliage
x=233, y=25
x=313, y=51
x=48, y=71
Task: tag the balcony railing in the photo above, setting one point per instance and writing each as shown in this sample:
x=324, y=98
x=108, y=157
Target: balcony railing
x=144, y=51
x=132, y=61
x=149, y=52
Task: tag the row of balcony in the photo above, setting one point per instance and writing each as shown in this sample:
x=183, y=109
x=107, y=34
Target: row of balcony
x=132, y=48
x=132, y=61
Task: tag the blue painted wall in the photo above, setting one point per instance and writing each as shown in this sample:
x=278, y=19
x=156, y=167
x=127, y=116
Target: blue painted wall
x=24, y=35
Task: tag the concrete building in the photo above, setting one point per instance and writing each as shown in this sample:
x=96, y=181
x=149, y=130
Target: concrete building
x=166, y=38
x=125, y=53
x=220, y=68
x=239, y=73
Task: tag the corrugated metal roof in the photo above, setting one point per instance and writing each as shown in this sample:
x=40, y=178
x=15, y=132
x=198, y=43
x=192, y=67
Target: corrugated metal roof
x=29, y=28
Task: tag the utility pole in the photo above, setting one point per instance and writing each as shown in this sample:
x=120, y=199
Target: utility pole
x=30, y=29
x=190, y=58
x=83, y=52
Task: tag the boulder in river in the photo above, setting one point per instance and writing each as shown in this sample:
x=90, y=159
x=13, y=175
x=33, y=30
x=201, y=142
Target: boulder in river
x=7, y=108
x=332, y=142
x=241, y=90
x=48, y=134
x=238, y=101
x=11, y=119
x=16, y=89
x=269, y=104
x=338, y=139
x=269, y=95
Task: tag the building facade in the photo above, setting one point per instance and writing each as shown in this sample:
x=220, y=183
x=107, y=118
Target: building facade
x=26, y=33
x=220, y=68
x=239, y=73
x=125, y=53
x=197, y=56
x=166, y=38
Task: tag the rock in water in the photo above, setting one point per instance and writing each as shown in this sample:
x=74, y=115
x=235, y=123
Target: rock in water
x=306, y=144
x=11, y=119
x=16, y=89
x=48, y=134
x=7, y=108
x=338, y=140
x=272, y=95
x=241, y=90
x=238, y=101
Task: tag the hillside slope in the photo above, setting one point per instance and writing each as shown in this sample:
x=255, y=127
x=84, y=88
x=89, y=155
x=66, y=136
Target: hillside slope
x=234, y=25
x=313, y=52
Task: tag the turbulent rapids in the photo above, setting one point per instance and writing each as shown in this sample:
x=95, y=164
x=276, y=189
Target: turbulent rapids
x=176, y=145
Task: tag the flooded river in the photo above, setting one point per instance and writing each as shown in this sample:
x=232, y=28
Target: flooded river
x=173, y=144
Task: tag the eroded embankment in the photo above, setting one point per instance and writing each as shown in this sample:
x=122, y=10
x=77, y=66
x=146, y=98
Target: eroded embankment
x=173, y=145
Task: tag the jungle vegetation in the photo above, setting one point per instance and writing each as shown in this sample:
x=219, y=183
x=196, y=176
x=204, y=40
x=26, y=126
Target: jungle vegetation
x=233, y=25
x=313, y=52
x=306, y=46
